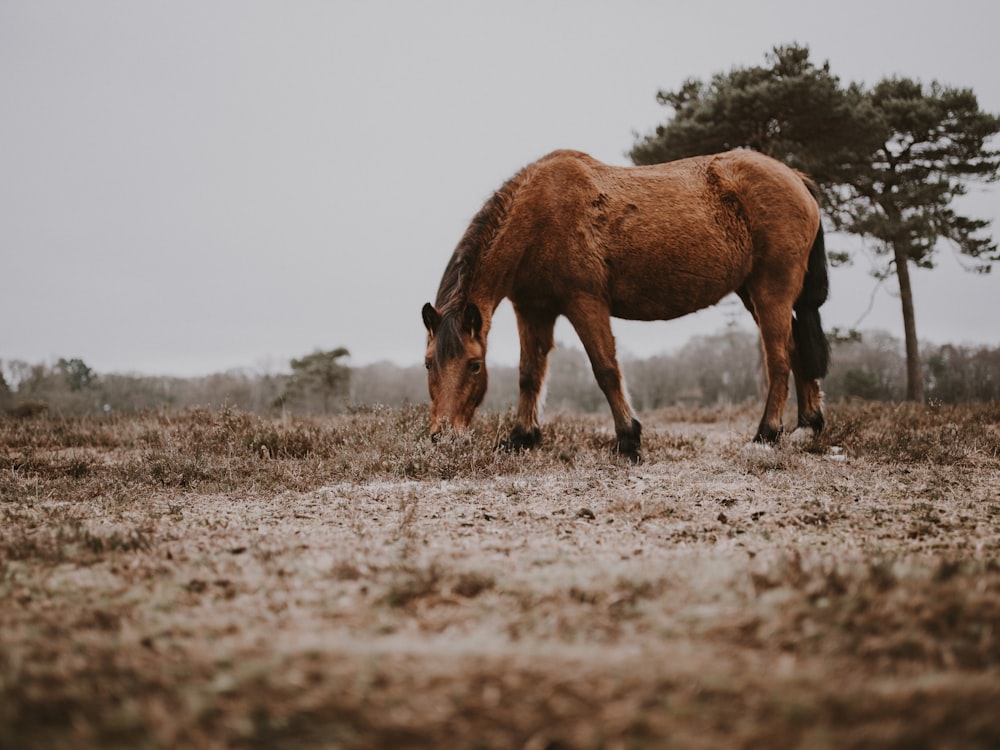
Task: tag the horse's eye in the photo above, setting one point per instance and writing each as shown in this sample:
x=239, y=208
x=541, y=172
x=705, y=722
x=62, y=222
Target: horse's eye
x=475, y=366
x=427, y=365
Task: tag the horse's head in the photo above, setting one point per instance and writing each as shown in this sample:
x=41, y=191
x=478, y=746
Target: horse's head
x=456, y=366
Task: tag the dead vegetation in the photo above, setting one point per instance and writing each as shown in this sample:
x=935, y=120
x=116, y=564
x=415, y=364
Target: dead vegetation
x=214, y=579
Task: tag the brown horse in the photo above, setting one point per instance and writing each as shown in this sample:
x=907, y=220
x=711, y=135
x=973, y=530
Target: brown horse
x=568, y=235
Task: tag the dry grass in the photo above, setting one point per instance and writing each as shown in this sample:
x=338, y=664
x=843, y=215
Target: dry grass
x=220, y=580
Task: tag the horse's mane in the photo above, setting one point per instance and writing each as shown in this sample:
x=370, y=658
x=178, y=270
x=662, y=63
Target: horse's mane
x=453, y=293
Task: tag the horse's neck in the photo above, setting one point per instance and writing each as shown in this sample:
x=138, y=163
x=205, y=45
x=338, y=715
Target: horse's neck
x=499, y=254
x=494, y=276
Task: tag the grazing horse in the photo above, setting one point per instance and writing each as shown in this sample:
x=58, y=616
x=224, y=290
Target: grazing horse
x=569, y=235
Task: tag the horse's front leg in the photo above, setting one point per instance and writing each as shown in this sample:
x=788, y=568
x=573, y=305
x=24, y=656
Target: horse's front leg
x=536, y=333
x=592, y=321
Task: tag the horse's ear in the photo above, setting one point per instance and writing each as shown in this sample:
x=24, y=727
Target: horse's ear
x=473, y=320
x=432, y=318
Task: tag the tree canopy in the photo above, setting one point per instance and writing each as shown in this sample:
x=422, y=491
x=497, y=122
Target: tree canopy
x=789, y=109
x=318, y=380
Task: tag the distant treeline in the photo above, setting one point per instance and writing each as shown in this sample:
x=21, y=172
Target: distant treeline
x=723, y=367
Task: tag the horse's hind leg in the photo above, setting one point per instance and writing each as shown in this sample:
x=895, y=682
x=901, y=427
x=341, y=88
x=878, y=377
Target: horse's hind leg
x=810, y=398
x=775, y=321
x=536, y=333
x=592, y=321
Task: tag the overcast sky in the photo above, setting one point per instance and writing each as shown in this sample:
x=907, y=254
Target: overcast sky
x=192, y=186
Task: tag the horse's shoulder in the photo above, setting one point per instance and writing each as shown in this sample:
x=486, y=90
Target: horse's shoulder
x=567, y=154
x=568, y=159
x=563, y=169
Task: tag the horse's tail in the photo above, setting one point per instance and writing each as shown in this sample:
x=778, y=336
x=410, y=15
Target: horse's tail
x=811, y=346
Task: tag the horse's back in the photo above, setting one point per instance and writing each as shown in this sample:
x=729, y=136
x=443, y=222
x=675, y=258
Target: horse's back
x=663, y=240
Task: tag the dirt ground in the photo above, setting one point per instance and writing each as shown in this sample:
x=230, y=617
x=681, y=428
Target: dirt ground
x=219, y=580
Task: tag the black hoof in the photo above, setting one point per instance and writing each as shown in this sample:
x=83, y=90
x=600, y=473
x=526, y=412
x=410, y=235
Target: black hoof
x=766, y=434
x=521, y=439
x=629, y=441
x=634, y=457
x=815, y=421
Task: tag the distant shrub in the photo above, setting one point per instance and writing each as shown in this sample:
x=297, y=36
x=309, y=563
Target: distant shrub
x=28, y=409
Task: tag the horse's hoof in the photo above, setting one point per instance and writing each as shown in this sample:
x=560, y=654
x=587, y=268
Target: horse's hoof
x=767, y=435
x=634, y=457
x=628, y=443
x=521, y=439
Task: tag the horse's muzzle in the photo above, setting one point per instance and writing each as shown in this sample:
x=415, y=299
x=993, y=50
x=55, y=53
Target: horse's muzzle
x=443, y=425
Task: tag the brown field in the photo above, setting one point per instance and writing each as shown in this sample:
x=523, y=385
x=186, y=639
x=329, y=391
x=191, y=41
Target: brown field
x=222, y=580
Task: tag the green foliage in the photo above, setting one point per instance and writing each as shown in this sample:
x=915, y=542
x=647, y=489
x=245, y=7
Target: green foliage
x=77, y=373
x=789, y=109
x=318, y=381
x=933, y=140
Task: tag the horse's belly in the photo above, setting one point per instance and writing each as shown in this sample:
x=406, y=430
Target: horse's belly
x=658, y=292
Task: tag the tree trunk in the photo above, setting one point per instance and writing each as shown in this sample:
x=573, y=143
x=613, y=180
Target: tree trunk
x=914, y=376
